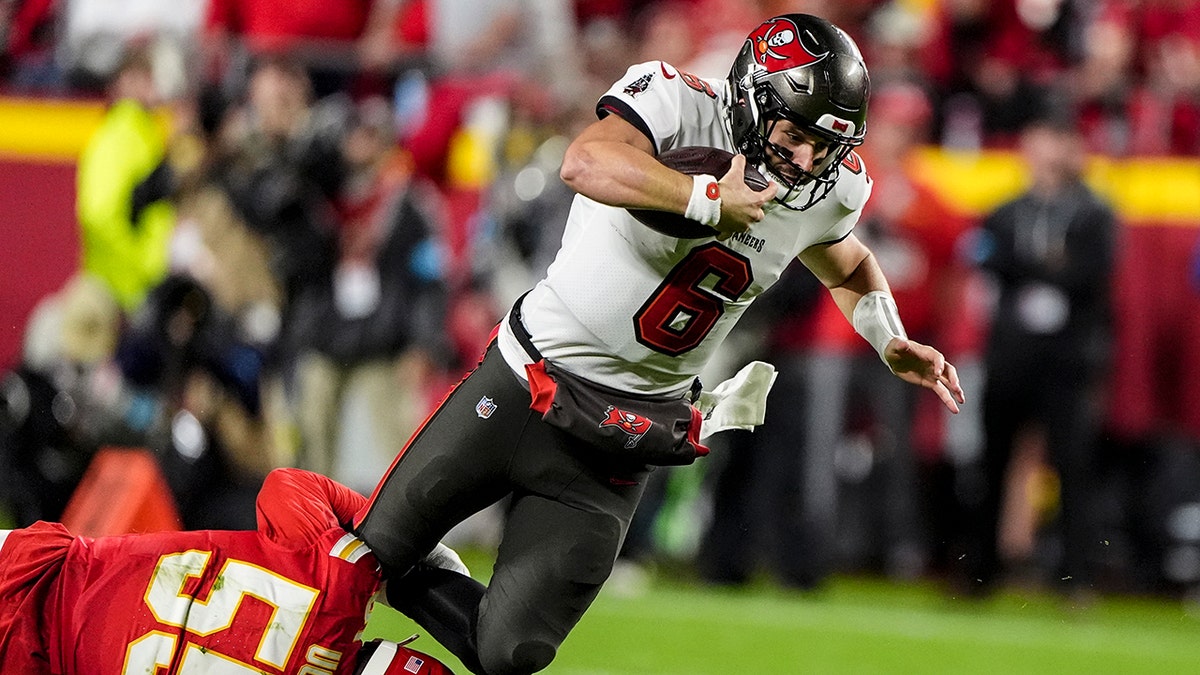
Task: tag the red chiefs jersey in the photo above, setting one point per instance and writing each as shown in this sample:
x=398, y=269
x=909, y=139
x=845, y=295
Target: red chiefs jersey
x=291, y=597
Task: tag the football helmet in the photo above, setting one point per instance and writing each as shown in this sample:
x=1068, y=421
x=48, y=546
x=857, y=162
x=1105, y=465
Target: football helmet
x=384, y=657
x=807, y=70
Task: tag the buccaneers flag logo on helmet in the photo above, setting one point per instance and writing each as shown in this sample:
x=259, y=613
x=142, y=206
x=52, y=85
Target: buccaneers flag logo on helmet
x=779, y=45
x=631, y=423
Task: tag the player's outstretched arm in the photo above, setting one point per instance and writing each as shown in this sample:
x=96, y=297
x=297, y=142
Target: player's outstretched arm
x=852, y=275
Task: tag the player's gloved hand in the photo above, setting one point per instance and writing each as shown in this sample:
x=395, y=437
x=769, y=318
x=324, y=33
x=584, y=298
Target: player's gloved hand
x=921, y=364
x=741, y=206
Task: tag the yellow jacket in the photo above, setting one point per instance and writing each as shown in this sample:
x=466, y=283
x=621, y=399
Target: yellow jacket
x=130, y=256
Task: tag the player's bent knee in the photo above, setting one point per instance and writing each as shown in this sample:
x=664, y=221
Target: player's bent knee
x=525, y=658
x=589, y=559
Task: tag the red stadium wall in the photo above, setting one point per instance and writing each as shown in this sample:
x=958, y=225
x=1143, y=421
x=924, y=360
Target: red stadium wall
x=39, y=141
x=40, y=241
x=1155, y=383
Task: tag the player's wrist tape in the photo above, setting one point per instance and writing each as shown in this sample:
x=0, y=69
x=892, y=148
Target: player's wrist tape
x=877, y=319
x=704, y=206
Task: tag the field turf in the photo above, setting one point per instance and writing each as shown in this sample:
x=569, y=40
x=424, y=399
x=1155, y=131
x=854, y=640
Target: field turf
x=859, y=625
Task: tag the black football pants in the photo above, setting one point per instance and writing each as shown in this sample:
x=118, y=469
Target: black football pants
x=567, y=518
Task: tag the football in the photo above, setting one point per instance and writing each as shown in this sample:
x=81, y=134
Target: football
x=693, y=161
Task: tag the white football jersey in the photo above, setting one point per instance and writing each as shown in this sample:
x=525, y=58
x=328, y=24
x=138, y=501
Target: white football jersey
x=643, y=312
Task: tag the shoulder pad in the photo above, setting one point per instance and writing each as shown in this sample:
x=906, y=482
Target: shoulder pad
x=854, y=185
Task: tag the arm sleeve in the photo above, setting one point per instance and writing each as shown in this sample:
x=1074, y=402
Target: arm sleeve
x=298, y=506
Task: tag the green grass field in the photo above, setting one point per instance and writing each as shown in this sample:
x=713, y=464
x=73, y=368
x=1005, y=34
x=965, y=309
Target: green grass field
x=857, y=626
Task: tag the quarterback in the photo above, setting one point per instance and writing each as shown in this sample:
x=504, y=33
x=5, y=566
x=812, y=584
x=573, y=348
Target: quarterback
x=637, y=314
x=288, y=599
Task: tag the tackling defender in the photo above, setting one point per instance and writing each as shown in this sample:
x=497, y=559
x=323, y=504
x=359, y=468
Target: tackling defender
x=288, y=599
x=640, y=313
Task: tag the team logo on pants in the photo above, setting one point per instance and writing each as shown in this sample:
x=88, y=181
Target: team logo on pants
x=485, y=407
x=631, y=423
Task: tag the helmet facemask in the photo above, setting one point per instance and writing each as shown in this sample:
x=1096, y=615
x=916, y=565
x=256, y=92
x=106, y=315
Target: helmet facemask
x=818, y=181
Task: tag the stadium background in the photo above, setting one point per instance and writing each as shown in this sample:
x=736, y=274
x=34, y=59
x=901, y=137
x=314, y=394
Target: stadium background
x=858, y=623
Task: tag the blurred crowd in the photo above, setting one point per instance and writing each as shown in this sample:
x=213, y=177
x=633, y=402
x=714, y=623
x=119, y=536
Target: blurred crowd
x=299, y=219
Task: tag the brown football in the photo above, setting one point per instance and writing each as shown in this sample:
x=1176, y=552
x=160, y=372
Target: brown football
x=693, y=160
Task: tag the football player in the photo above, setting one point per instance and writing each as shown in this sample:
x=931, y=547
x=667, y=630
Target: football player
x=639, y=312
x=289, y=598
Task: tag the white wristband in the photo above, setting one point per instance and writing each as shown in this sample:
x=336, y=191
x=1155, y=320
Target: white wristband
x=704, y=206
x=877, y=319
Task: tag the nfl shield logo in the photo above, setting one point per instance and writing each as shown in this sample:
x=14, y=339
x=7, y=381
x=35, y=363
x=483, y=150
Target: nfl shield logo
x=485, y=407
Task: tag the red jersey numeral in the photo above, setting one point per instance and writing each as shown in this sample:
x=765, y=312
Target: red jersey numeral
x=183, y=615
x=698, y=84
x=682, y=311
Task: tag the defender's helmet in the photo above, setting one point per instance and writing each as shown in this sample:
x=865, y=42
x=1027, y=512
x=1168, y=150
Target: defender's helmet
x=805, y=69
x=384, y=657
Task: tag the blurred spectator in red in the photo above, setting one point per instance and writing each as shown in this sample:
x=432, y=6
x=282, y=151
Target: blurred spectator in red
x=377, y=337
x=849, y=15
x=1166, y=118
x=333, y=40
x=916, y=228
x=490, y=61
x=30, y=31
x=897, y=33
x=1050, y=253
x=992, y=62
x=1140, y=90
x=1105, y=80
x=712, y=29
x=481, y=55
x=665, y=32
